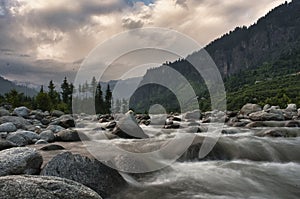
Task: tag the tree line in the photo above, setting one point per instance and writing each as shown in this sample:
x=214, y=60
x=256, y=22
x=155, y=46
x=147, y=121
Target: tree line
x=63, y=100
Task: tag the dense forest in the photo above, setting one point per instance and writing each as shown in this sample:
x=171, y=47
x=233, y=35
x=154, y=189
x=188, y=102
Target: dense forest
x=259, y=64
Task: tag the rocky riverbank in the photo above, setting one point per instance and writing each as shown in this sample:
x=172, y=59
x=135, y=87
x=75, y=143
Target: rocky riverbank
x=43, y=151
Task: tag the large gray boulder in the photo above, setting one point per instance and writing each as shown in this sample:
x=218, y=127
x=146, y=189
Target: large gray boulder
x=128, y=128
x=250, y=108
x=20, y=160
x=47, y=135
x=4, y=112
x=291, y=108
x=55, y=128
x=90, y=172
x=22, y=111
x=68, y=136
x=19, y=122
x=42, y=187
x=8, y=127
x=22, y=138
x=65, y=121
x=265, y=116
x=57, y=113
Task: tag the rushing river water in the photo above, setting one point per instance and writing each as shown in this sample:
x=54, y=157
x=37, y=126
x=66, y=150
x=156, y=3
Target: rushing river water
x=239, y=166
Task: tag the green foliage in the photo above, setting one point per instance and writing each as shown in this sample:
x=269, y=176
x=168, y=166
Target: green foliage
x=43, y=101
x=14, y=98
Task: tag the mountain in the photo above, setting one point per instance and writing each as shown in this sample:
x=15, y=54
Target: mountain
x=6, y=86
x=264, y=52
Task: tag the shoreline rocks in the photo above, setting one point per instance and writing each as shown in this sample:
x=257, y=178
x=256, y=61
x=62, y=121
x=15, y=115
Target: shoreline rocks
x=20, y=160
x=41, y=187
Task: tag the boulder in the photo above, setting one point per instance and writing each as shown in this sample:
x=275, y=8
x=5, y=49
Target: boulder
x=265, y=116
x=65, y=121
x=89, y=172
x=48, y=136
x=37, y=114
x=291, y=108
x=267, y=107
x=22, y=138
x=55, y=128
x=19, y=122
x=5, y=144
x=41, y=187
x=22, y=111
x=57, y=113
x=68, y=135
x=250, y=108
x=111, y=125
x=20, y=160
x=128, y=128
x=8, y=127
x=195, y=115
x=4, y=112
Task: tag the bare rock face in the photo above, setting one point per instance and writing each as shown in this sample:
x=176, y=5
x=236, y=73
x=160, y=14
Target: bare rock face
x=90, y=172
x=41, y=187
x=20, y=160
x=250, y=108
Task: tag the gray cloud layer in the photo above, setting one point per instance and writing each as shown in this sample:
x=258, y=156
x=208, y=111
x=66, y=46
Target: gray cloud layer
x=67, y=30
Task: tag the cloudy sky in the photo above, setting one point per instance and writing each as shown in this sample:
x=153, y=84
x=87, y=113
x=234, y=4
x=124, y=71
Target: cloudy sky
x=48, y=39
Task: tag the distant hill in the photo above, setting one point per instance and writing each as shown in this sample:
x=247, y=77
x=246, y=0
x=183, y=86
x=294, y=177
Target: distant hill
x=6, y=86
x=265, y=51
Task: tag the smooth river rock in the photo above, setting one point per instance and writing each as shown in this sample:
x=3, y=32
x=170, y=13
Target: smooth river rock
x=19, y=122
x=20, y=160
x=89, y=172
x=43, y=187
x=8, y=127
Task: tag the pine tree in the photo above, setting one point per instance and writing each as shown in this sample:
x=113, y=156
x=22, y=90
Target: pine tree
x=93, y=86
x=99, y=104
x=53, y=94
x=108, y=99
x=65, y=91
x=43, y=101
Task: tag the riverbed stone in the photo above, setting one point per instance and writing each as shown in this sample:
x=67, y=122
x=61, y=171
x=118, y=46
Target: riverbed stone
x=20, y=160
x=265, y=116
x=19, y=122
x=90, y=172
x=250, y=108
x=8, y=127
x=42, y=187
x=22, y=111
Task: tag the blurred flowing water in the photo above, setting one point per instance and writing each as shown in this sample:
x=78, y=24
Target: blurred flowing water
x=239, y=166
